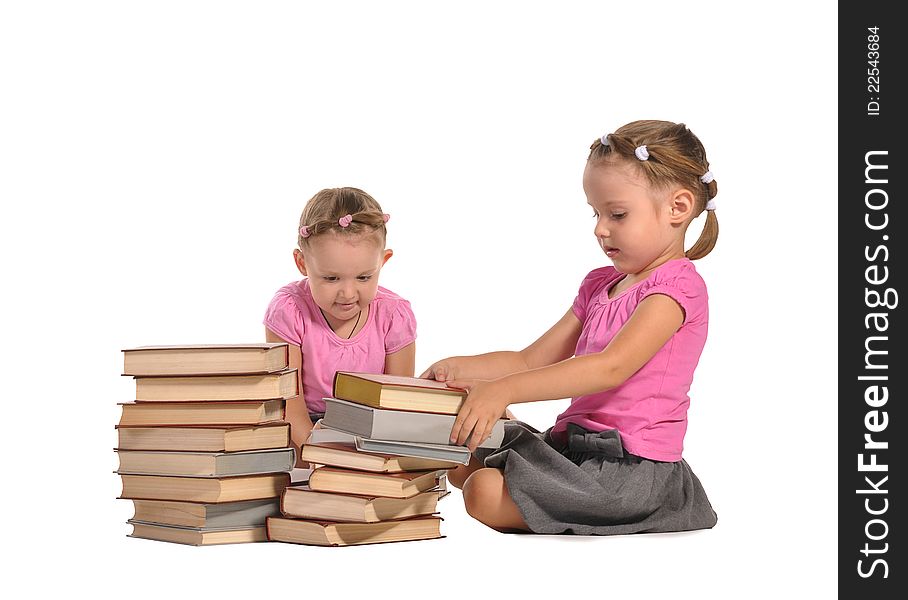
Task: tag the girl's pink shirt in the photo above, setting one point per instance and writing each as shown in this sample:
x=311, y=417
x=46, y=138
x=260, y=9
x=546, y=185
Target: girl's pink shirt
x=649, y=409
x=294, y=315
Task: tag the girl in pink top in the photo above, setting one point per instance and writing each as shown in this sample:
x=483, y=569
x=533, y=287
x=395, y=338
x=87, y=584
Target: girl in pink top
x=338, y=318
x=625, y=351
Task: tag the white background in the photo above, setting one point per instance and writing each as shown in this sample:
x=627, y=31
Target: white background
x=154, y=159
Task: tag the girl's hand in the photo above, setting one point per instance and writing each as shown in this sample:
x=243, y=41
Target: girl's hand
x=485, y=403
x=445, y=370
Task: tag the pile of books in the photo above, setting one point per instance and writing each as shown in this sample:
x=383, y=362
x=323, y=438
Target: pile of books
x=204, y=453
x=380, y=455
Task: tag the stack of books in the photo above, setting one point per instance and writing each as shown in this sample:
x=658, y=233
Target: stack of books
x=380, y=455
x=204, y=452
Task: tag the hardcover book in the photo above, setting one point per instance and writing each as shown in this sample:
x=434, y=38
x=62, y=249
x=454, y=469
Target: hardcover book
x=197, y=536
x=303, y=502
x=388, y=485
x=322, y=435
x=205, y=464
x=396, y=392
x=206, y=359
x=203, y=489
x=202, y=413
x=347, y=456
x=205, y=438
x=324, y=533
x=198, y=388
x=384, y=424
x=250, y=513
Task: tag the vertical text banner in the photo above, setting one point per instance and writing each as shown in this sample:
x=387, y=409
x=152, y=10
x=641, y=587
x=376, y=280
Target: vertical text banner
x=872, y=371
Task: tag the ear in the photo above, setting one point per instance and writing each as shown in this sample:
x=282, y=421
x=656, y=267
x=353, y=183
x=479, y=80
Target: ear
x=681, y=206
x=300, y=261
x=387, y=256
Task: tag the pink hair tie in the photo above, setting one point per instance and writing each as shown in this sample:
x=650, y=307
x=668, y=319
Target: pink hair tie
x=385, y=217
x=304, y=231
x=345, y=220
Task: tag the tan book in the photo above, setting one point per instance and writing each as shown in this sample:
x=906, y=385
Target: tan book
x=203, y=489
x=206, y=359
x=213, y=388
x=197, y=536
x=205, y=464
x=205, y=439
x=347, y=456
x=202, y=413
x=324, y=533
x=388, y=485
x=303, y=502
x=398, y=393
x=248, y=513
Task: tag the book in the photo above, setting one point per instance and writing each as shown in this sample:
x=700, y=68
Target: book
x=322, y=434
x=213, y=388
x=405, y=426
x=326, y=533
x=442, y=488
x=251, y=513
x=303, y=502
x=205, y=464
x=206, y=359
x=299, y=475
x=447, y=453
x=205, y=438
x=197, y=536
x=388, y=485
x=201, y=413
x=396, y=392
x=349, y=457
x=203, y=489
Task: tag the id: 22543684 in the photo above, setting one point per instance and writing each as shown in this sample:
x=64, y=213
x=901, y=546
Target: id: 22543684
x=873, y=71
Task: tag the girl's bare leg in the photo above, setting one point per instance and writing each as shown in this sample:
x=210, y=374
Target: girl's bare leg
x=458, y=476
x=487, y=500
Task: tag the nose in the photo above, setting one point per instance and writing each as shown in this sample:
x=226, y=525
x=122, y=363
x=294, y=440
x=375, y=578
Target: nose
x=348, y=290
x=601, y=229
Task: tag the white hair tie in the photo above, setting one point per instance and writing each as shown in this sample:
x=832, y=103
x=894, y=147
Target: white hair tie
x=641, y=153
x=604, y=139
x=707, y=177
x=711, y=205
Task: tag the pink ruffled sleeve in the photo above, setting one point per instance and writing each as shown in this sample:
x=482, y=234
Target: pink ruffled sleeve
x=402, y=329
x=284, y=318
x=682, y=284
x=589, y=288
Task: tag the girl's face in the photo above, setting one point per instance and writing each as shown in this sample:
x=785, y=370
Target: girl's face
x=343, y=272
x=638, y=227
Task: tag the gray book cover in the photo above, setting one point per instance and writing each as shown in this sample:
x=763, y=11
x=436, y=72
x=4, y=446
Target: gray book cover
x=458, y=454
x=399, y=425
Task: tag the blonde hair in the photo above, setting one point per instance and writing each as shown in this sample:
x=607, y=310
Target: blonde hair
x=324, y=210
x=676, y=156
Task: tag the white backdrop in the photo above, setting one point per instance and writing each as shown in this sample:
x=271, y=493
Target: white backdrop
x=154, y=158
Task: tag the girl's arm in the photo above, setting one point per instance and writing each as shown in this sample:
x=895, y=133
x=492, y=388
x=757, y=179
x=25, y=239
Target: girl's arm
x=402, y=362
x=652, y=324
x=554, y=345
x=296, y=412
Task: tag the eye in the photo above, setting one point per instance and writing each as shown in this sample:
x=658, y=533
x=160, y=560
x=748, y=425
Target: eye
x=595, y=214
x=330, y=278
x=618, y=215
x=364, y=278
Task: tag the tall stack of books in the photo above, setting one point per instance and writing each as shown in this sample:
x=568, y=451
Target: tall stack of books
x=204, y=452
x=380, y=455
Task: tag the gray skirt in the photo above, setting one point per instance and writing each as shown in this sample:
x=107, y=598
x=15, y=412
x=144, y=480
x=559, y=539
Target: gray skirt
x=591, y=486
